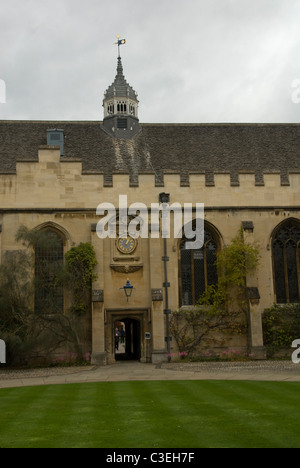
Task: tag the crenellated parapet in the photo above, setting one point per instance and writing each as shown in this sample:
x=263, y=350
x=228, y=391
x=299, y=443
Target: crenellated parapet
x=53, y=181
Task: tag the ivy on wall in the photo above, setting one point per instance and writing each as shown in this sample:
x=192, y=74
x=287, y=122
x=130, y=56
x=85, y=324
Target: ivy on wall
x=80, y=264
x=281, y=326
x=224, y=306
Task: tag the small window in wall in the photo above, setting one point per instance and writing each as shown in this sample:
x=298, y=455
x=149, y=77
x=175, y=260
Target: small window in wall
x=286, y=262
x=122, y=124
x=56, y=138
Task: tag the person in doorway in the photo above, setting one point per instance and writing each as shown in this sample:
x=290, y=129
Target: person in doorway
x=122, y=332
x=117, y=339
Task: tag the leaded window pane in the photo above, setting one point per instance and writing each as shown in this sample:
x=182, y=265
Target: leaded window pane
x=279, y=273
x=199, y=273
x=212, y=274
x=286, y=263
x=198, y=269
x=186, y=277
x=292, y=271
x=49, y=257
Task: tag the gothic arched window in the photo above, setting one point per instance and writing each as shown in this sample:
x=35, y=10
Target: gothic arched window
x=198, y=269
x=286, y=262
x=49, y=260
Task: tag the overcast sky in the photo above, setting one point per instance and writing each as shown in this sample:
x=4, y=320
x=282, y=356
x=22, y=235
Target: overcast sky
x=188, y=60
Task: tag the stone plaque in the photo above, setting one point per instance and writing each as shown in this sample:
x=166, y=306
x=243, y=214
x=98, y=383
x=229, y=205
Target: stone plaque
x=97, y=295
x=157, y=295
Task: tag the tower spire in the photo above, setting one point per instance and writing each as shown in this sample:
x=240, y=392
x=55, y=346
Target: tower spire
x=119, y=67
x=120, y=104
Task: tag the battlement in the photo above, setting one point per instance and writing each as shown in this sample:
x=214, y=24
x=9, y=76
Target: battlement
x=49, y=159
x=53, y=181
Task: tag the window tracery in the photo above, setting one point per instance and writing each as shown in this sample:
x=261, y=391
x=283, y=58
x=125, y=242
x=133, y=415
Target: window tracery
x=198, y=269
x=286, y=263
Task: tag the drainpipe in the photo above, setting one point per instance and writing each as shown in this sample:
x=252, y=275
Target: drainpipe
x=164, y=199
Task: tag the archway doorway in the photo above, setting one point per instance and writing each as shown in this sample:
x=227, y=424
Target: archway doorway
x=127, y=334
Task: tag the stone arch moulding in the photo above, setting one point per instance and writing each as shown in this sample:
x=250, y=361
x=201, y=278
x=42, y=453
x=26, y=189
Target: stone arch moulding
x=210, y=227
x=289, y=220
x=284, y=246
x=57, y=228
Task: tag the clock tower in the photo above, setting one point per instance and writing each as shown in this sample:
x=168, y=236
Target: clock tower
x=120, y=106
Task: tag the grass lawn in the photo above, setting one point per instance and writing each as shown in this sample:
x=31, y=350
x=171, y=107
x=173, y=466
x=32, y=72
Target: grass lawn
x=184, y=414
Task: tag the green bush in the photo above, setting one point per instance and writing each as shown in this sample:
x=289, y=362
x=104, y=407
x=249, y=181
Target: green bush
x=281, y=326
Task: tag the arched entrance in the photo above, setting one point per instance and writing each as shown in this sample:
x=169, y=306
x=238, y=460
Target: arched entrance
x=136, y=323
x=127, y=333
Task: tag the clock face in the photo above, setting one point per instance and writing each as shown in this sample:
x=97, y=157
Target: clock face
x=126, y=245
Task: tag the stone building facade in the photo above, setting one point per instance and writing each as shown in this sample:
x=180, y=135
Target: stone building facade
x=53, y=176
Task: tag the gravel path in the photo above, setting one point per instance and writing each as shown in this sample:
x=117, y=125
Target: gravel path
x=243, y=366
x=210, y=367
x=10, y=374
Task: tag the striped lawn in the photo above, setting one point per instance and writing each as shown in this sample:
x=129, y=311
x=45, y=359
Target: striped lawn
x=184, y=414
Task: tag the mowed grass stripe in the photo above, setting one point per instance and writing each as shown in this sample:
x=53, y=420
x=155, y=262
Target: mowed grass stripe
x=28, y=420
x=243, y=413
x=281, y=411
x=239, y=421
x=150, y=423
x=179, y=414
x=174, y=419
x=218, y=415
x=210, y=417
x=210, y=420
x=95, y=421
x=251, y=416
x=79, y=407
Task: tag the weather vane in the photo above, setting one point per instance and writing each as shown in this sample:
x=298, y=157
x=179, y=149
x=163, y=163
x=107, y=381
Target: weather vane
x=119, y=43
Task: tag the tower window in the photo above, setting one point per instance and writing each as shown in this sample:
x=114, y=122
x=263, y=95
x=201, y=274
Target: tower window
x=122, y=124
x=122, y=107
x=110, y=109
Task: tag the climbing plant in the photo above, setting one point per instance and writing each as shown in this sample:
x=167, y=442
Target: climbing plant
x=80, y=273
x=234, y=262
x=281, y=326
x=223, y=307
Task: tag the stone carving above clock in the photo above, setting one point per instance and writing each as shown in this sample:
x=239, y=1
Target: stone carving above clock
x=126, y=268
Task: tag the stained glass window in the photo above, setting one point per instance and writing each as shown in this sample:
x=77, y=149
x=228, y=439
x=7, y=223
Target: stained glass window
x=198, y=269
x=286, y=263
x=49, y=258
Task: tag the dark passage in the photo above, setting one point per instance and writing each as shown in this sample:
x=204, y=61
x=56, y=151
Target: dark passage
x=127, y=340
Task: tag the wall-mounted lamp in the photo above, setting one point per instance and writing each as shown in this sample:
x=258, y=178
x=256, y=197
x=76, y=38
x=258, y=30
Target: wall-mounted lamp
x=128, y=288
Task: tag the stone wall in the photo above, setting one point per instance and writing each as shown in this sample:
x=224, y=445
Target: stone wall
x=55, y=193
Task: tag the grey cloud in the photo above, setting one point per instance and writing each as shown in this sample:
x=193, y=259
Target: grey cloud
x=192, y=61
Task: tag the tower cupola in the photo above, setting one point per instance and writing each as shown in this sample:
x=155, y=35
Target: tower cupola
x=120, y=105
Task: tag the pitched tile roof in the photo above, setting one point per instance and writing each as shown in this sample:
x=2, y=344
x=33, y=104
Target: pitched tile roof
x=162, y=148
